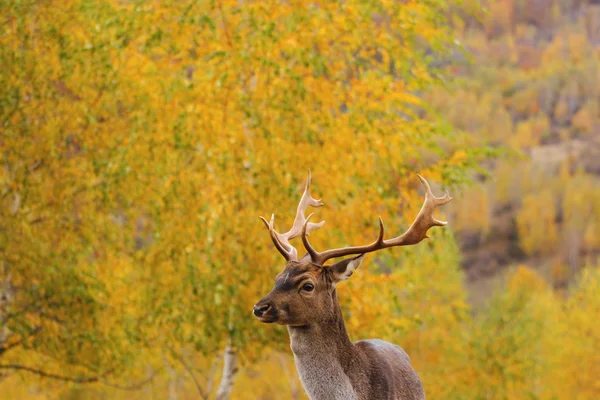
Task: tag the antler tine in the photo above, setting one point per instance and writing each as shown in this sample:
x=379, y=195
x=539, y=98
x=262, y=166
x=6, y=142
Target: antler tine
x=288, y=252
x=305, y=201
x=439, y=201
x=281, y=240
x=413, y=235
x=311, y=251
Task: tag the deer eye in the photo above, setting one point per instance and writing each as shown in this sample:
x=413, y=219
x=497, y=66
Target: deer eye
x=308, y=287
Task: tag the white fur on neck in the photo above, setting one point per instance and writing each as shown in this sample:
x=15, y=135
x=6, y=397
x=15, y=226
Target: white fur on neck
x=320, y=371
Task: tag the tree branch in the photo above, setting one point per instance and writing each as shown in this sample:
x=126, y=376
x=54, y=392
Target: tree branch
x=230, y=370
x=92, y=379
x=201, y=391
x=211, y=376
x=49, y=375
x=135, y=386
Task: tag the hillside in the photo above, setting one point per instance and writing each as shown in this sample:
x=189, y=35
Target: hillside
x=532, y=88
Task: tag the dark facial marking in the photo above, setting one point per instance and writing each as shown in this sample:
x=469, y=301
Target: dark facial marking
x=290, y=278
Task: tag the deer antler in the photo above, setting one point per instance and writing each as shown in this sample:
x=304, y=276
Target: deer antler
x=301, y=225
x=415, y=233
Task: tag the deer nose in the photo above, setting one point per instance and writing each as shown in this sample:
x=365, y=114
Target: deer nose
x=260, y=309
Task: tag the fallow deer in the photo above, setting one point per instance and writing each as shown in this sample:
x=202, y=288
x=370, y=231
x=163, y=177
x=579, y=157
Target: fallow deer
x=304, y=298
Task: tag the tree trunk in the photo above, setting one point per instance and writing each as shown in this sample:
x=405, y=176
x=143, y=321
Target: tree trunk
x=230, y=369
x=149, y=389
x=5, y=300
x=173, y=395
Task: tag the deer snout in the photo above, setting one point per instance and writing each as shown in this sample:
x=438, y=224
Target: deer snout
x=261, y=309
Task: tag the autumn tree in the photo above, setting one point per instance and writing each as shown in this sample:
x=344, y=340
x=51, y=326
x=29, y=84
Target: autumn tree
x=576, y=359
x=142, y=141
x=508, y=344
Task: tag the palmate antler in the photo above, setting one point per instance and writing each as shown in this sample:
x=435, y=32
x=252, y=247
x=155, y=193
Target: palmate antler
x=302, y=226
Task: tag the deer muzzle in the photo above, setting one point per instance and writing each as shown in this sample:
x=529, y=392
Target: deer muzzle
x=265, y=311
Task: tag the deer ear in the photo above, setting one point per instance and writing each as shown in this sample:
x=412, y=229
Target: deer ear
x=344, y=269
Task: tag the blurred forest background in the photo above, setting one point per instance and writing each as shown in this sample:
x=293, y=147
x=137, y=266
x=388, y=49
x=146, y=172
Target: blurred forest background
x=141, y=140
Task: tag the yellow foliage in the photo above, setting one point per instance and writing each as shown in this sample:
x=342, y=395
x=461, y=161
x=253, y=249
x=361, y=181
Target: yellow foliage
x=560, y=273
x=536, y=223
x=530, y=133
x=586, y=119
x=577, y=356
x=525, y=101
x=471, y=211
x=141, y=140
x=501, y=20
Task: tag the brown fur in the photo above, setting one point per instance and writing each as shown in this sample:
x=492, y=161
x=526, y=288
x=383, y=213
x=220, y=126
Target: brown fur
x=331, y=367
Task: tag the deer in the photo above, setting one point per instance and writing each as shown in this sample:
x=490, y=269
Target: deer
x=304, y=299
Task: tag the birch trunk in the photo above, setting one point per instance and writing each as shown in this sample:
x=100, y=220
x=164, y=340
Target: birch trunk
x=5, y=299
x=173, y=395
x=230, y=369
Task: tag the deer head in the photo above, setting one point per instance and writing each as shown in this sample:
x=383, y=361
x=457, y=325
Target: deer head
x=304, y=292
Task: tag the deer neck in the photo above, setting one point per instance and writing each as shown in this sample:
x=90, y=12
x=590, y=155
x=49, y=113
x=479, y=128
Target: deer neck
x=322, y=353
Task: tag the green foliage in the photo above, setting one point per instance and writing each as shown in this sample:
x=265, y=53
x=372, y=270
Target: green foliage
x=580, y=329
x=141, y=141
x=507, y=344
x=536, y=223
x=533, y=89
